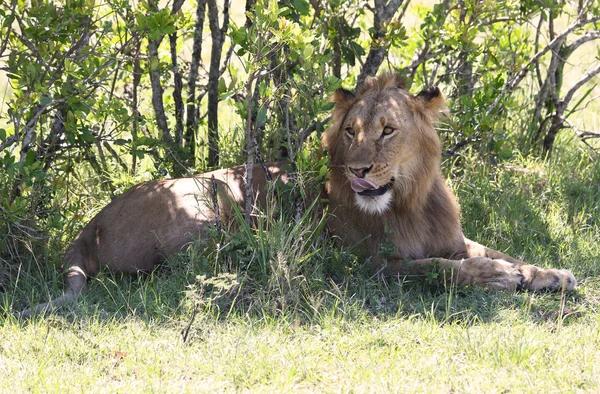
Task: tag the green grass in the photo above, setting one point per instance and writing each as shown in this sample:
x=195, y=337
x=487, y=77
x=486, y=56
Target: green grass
x=298, y=314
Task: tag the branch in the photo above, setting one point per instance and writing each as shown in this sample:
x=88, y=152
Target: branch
x=8, y=142
x=250, y=151
x=584, y=135
x=586, y=77
x=29, y=128
x=157, y=89
x=422, y=57
x=382, y=14
x=115, y=156
x=511, y=84
x=536, y=47
x=589, y=36
x=390, y=9
x=218, y=38
x=8, y=31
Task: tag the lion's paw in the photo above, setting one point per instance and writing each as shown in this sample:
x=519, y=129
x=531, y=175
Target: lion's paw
x=494, y=274
x=547, y=279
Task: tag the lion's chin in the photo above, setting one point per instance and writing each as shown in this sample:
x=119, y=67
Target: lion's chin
x=375, y=205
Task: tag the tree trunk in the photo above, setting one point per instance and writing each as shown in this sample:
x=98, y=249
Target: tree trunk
x=218, y=38
x=382, y=15
x=192, y=119
x=177, y=98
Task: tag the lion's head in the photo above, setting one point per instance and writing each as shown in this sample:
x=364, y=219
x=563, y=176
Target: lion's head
x=383, y=147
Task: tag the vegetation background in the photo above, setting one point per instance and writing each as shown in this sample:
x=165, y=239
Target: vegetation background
x=98, y=95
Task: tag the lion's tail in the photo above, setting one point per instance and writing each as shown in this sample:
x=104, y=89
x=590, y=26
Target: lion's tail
x=81, y=262
x=76, y=282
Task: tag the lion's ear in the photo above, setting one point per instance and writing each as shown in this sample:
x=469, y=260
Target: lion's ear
x=432, y=100
x=341, y=96
x=343, y=100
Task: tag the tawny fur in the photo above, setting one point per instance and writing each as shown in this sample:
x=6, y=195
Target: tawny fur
x=138, y=229
x=422, y=218
x=418, y=215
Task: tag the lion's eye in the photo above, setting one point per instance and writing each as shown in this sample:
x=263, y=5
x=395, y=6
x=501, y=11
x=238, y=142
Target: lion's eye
x=350, y=132
x=387, y=130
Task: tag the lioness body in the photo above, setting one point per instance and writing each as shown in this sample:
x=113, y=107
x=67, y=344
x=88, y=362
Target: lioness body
x=385, y=194
x=139, y=228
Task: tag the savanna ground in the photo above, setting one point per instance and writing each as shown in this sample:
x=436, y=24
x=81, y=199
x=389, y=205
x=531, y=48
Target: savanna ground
x=317, y=323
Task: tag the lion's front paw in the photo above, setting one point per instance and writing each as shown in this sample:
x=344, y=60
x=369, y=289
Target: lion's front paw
x=547, y=279
x=494, y=274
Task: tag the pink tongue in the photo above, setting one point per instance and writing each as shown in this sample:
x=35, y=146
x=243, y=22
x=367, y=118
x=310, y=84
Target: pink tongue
x=359, y=184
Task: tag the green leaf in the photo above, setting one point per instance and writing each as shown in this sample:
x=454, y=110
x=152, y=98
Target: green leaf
x=308, y=51
x=328, y=106
x=2, y=134
x=154, y=64
x=323, y=171
x=29, y=157
x=46, y=100
x=222, y=85
x=147, y=141
x=301, y=6
x=240, y=37
x=87, y=137
x=261, y=117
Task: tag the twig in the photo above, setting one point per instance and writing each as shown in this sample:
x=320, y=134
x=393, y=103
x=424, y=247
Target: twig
x=215, y=200
x=186, y=332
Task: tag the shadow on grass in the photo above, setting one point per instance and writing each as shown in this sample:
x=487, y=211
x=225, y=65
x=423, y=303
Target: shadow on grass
x=180, y=293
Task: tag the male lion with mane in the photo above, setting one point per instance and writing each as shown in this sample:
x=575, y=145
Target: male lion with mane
x=384, y=185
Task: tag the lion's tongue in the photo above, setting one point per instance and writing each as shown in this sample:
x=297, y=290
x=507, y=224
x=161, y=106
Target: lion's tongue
x=360, y=185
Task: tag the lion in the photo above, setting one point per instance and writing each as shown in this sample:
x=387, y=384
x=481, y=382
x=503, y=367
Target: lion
x=384, y=186
x=138, y=229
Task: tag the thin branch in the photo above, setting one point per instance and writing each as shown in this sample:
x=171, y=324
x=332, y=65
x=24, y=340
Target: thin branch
x=8, y=31
x=586, y=77
x=514, y=82
x=115, y=156
x=13, y=139
x=589, y=36
x=215, y=201
x=422, y=57
x=584, y=136
x=536, y=48
x=28, y=130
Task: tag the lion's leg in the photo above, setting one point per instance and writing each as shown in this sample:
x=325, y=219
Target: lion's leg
x=534, y=278
x=475, y=249
x=496, y=274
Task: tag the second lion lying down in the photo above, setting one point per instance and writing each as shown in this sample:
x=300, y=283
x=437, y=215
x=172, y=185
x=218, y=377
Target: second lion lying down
x=384, y=186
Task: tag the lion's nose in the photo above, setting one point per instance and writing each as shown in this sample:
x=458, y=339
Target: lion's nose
x=360, y=172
